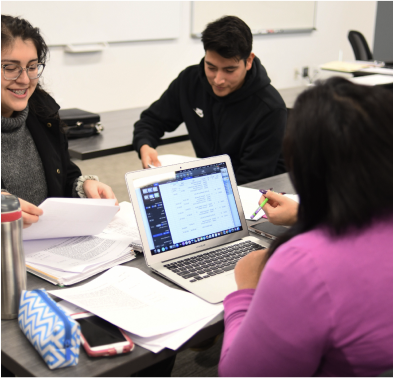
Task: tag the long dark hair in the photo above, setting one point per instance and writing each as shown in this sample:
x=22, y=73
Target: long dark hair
x=338, y=149
x=16, y=27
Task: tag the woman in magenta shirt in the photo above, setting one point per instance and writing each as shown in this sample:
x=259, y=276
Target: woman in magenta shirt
x=320, y=301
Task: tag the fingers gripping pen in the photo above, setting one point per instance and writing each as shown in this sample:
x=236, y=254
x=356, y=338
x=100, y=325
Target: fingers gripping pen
x=263, y=191
x=259, y=208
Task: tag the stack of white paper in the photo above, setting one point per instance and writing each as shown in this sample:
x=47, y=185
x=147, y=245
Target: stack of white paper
x=378, y=70
x=124, y=223
x=372, y=80
x=65, y=261
x=69, y=217
x=156, y=316
x=172, y=340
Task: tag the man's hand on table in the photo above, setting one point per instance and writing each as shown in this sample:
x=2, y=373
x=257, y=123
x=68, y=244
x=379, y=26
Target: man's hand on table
x=149, y=156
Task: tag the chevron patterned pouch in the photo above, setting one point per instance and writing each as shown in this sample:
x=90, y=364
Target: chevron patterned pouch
x=54, y=334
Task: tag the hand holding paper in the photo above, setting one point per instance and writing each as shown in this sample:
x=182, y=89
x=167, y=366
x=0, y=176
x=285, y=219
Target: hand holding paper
x=65, y=261
x=65, y=217
x=97, y=189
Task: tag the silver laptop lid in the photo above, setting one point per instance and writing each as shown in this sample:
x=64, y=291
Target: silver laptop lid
x=186, y=208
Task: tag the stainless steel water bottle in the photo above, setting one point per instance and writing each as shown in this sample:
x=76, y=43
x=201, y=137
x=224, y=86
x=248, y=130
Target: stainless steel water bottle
x=13, y=266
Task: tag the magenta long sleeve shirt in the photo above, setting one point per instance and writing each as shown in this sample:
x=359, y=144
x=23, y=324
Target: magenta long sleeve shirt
x=323, y=307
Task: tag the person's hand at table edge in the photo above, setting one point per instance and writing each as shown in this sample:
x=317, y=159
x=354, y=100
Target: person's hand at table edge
x=248, y=269
x=280, y=210
x=96, y=189
x=30, y=212
x=149, y=155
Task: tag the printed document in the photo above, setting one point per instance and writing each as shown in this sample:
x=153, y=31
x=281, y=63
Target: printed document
x=74, y=254
x=137, y=303
x=172, y=340
x=68, y=217
x=61, y=278
x=65, y=261
x=124, y=223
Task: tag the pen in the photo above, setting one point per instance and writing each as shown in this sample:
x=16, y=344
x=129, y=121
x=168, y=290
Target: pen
x=259, y=208
x=264, y=191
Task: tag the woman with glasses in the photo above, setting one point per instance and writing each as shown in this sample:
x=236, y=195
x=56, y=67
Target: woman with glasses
x=319, y=302
x=35, y=163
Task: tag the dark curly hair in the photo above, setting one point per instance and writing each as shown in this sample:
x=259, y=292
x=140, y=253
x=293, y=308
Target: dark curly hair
x=16, y=27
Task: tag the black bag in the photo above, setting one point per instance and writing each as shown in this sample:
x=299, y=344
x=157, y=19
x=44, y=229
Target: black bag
x=78, y=123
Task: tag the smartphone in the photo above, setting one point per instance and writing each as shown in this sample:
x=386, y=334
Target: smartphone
x=101, y=338
x=268, y=230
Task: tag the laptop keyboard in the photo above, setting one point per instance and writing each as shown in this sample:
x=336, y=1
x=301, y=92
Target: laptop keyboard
x=211, y=263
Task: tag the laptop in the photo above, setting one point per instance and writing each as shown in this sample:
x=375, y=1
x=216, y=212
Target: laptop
x=192, y=224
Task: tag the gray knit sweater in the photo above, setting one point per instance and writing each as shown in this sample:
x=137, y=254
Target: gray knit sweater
x=21, y=166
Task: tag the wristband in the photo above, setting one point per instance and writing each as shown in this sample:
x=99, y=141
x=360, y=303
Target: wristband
x=79, y=184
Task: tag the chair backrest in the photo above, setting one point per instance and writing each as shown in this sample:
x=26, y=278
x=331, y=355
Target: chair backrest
x=359, y=46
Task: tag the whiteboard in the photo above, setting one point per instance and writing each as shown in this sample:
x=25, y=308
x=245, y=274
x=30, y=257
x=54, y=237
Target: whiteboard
x=84, y=22
x=263, y=17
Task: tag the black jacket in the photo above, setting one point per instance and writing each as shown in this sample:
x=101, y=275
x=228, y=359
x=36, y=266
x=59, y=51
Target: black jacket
x=44, y=125
x=247, y=124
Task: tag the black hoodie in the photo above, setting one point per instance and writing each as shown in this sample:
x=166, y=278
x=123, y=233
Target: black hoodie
x=248, y=124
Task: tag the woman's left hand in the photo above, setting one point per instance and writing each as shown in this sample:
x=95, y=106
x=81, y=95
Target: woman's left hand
x=96, y=189
x=248, y=269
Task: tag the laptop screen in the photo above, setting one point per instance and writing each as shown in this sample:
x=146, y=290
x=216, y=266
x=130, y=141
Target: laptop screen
x=188, y=206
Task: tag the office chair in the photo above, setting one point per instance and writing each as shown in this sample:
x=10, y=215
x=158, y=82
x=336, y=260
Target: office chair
x=359, y=46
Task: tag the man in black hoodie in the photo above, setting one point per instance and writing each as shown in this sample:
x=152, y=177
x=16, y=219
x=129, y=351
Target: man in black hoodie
x=227, y=104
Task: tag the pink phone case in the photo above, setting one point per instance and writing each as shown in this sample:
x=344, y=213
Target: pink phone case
x=109, y=351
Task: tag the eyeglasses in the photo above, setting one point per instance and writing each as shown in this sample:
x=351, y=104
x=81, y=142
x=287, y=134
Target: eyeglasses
x=13, y=71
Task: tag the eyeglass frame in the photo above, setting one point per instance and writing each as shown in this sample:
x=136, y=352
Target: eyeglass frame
x=21, y=71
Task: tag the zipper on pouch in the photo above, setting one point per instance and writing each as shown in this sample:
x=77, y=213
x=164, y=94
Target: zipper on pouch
x=63, y=317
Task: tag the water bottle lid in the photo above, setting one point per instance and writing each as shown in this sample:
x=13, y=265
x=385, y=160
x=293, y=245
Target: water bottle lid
x=10, y=208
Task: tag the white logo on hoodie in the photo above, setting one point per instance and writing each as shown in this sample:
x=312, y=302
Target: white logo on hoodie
x=199, y=112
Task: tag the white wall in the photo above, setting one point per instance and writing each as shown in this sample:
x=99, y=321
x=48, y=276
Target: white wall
x=135, y=74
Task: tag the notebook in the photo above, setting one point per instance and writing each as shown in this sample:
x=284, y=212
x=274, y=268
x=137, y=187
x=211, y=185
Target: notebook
x=192, y=224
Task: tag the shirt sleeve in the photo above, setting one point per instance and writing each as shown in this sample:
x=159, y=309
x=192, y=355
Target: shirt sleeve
x=281, y=329
x=261, y=157
x=162, y=116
